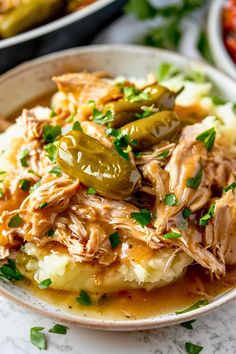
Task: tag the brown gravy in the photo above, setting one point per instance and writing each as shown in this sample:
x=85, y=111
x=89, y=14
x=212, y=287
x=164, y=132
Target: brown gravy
x=139, y=304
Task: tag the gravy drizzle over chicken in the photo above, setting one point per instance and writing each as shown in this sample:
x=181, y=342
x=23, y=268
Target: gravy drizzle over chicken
x=179, y=166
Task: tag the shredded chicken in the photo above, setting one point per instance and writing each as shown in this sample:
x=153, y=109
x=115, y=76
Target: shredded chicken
x=82, y=222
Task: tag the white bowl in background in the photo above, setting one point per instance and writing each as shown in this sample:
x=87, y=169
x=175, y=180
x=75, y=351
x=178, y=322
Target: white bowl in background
x=215, y=38
x=33, y=79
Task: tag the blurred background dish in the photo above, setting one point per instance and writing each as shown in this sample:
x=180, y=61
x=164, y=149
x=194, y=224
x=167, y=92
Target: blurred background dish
x=221, y=29
x=78, y=25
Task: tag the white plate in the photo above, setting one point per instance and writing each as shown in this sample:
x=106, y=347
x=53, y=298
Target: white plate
x=33, y=79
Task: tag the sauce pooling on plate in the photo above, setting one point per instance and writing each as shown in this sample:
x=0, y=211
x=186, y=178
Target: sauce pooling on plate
x=118, y=199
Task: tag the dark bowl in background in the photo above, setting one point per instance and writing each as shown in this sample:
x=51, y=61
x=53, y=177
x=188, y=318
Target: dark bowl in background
x=67, y=32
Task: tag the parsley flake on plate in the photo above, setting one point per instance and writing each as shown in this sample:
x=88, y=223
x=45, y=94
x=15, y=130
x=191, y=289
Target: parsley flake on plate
x=208, y=138
x=205, y=219
x=193, y=348
x=9, y=271
x=143, y=217
x=195, y=182
x=114, y=240
x=195, y=306
x=58, y=329
x=84, y=298
x=15, y=221
x=37, y=338
x=188, y=324
x=45, y=284
x=170, y=199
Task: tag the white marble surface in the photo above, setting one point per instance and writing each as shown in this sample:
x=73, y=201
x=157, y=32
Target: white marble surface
x=215, y=332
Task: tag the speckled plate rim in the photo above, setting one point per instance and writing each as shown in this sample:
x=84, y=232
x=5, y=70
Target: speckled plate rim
x=55, y=25
x=111, y=324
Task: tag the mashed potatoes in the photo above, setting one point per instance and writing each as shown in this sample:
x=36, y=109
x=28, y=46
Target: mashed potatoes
x=159, y=268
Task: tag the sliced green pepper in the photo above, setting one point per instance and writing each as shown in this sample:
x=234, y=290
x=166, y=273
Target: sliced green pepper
x=152, y=130
x=124, y=111
x=28, y=15
x=81, y=156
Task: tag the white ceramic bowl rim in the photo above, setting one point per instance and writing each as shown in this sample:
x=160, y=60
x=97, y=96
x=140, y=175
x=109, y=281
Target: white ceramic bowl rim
x=214, y=30
x=55, y=25
x=169, y=319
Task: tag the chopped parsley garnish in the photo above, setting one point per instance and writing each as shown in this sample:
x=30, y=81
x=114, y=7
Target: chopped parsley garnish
x=51, y=133
x=91, y=191
x=52, y=113
x=100, y=118
x=113, y=132
x=1, y=193
x=50, y=233
x=2, y=172
x=84, y=298
x=193, y=348
x=58, y=329
x=163, y=154
x=218, y=101
x=147, y=111
x=143, y=217
x=205, y=219
x=37, y=338
x=170, y=199
x=43, y=205
x=195, y=306
x=195, y=182
x=15, y=221
x=114, y=240
x=132, y=94
x=186, y=213
x=171, y=235
x=166, y=71
x=122, y=145
x=51, y=150
x=24, y=154
x=24, y=185
x=137, y=154
x=208, y=138
x=188, y=324
x=45, y=284
x=232, y=186
x=35, y=186
x=55, y=171
x=9, y=271
x=77, y=126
